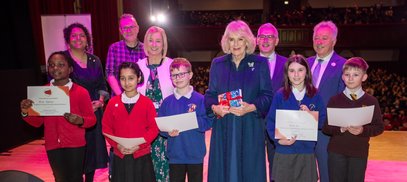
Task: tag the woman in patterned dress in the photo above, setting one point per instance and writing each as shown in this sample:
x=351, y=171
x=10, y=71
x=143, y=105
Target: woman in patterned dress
x=157, y=86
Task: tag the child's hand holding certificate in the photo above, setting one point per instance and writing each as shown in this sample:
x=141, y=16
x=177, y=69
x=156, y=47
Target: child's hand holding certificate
x=300, y=124
x=48, y=100
x=345, y=117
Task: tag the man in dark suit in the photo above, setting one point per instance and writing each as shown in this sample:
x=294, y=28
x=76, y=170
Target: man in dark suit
x=326, y=69
x=267, y=40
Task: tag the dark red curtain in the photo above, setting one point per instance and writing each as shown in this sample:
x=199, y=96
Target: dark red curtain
x=104, y=21
x=105, y=27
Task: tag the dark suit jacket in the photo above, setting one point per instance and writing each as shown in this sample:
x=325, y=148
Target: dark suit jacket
x=331, y=81
x=278, y=75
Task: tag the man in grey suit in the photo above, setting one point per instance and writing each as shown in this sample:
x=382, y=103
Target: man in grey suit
x=326, y=69
x=267, y=40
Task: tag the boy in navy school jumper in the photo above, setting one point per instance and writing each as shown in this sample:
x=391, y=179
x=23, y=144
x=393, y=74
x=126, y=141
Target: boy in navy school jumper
x=185, y=150
x=349, y=146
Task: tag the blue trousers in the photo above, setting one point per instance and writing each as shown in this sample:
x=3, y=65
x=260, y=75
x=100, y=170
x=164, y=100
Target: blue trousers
x=321, y=152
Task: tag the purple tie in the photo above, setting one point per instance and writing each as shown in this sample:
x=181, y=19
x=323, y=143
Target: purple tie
x=315, y=74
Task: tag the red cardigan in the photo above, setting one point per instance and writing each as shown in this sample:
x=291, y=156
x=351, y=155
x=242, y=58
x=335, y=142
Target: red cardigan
x=60, y=133
x=140, y=122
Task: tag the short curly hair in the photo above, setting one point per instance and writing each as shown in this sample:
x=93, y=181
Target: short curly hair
x=68, y=31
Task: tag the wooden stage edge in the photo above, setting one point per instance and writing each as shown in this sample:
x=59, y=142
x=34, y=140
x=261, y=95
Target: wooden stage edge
x=389, y=146
x=387, y=159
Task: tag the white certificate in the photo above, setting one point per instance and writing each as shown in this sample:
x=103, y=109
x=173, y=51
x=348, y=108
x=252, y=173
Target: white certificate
x=126, y=142
x=344, y=117
x=48, y=100
x=303, y=124
x=180, y=122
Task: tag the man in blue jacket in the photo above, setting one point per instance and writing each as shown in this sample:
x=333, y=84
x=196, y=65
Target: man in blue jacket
x=326, y=67
x=267, y=40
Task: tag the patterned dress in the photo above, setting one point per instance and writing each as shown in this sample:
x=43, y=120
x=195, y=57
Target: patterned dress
x=158, y=147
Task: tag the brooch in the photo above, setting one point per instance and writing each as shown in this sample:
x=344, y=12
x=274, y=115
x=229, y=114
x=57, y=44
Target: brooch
x=311, y=107
x=251, y=65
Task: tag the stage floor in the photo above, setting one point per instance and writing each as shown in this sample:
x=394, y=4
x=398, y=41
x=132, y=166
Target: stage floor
x=387, y=159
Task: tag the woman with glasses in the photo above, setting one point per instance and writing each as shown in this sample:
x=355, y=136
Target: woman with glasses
x=157, y=86
x=237, y=150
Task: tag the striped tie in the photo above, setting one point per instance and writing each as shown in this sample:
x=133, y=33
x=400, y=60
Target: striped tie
x=354, y=96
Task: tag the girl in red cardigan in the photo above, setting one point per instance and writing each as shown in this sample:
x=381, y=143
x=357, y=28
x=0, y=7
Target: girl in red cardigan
x=64, y=135
x=131, y=115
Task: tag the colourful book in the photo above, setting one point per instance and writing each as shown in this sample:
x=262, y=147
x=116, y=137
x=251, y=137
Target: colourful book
x=232, y=98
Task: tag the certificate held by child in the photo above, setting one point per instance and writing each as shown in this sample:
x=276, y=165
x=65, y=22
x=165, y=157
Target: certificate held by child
x=48, y=100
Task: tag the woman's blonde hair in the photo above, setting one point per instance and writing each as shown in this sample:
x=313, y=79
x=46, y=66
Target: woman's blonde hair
x=149, y=32
x=241, y=28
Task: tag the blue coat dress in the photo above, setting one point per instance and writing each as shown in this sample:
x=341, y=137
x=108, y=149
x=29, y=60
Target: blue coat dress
x=237, y=143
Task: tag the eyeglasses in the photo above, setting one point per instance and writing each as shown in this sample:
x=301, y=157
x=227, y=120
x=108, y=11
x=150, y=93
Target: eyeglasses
x=266, y=36
x=128, y=28
x=179, y=75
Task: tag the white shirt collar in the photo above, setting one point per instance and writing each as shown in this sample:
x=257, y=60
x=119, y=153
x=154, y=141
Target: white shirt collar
x=326, y=58
x=69, y=84
x=272, y=56
x=187, y=95
x=299, y=95
x=128, y=100
x=359, y=93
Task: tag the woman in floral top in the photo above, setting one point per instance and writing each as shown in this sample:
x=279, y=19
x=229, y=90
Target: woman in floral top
x=157, y=86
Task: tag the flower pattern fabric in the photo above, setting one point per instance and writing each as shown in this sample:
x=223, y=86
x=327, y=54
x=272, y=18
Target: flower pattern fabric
x=159, y=146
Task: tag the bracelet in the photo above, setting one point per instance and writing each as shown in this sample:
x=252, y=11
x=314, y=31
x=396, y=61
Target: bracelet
x=24, y=114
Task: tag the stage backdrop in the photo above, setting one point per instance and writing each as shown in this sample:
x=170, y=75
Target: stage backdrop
x=52, y=31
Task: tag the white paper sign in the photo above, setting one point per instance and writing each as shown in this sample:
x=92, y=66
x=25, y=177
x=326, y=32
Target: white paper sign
x=126, y=142
x=180, y=122
x=303, y=124
x=48, y=100
x=344, y=117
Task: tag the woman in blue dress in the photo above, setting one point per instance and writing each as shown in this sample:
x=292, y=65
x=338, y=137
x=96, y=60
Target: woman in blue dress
x=237, y=149
x=88, y=72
